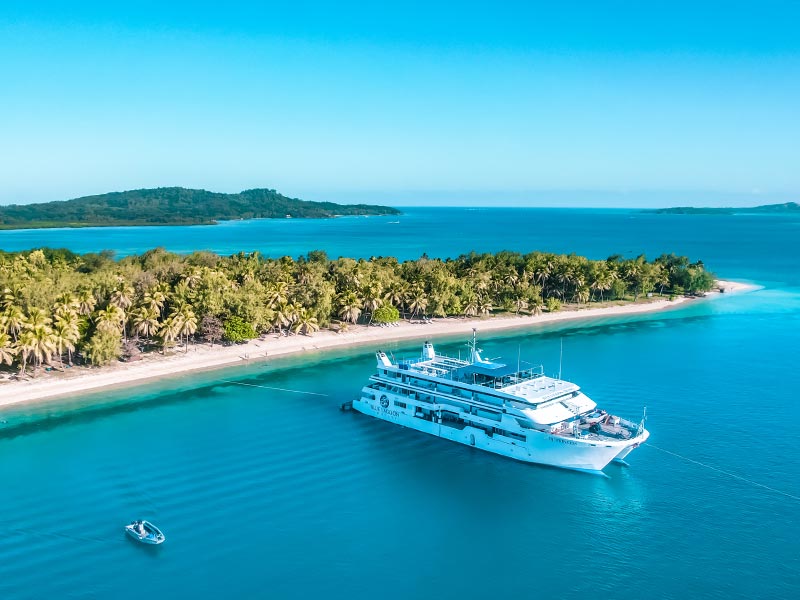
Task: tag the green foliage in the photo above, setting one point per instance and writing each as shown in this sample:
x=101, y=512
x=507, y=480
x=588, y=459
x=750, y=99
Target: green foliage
x=104, y=346
x=54, y=301
x=238, y=330
x=386, y=314
x=174, y=206
x=553, y=304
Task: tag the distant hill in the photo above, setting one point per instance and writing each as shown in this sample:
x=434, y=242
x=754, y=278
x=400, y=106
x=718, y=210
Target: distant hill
x=786, y=207
x=174, y=206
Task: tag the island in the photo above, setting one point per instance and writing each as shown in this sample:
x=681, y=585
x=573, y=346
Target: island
x=70, y=323
x=766, y=209
x=174, y=206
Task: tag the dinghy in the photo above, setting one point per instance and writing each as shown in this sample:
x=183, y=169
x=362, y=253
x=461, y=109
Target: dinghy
x=145, y=532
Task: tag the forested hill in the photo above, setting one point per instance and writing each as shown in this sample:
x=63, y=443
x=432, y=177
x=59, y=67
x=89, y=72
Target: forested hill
x=785, y=208
x=174, y=206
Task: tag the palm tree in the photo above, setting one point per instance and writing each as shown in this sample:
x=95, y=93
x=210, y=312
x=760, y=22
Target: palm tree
x=37, y=317
x=11, y=296
x=192, y=277
x=396, y=294
x=483, y=281
x=7, y=350
x=582, y=295
x=145, y=321
x=277, y=293
x=470, y=305
x=602, y=281
x=536, y=305
x=280, y=318
x=290, y=312
x=40, y=343
x=110, y=319
x=306, y=323
x=485, y=305
x=14, y=319
x=520, y=303
x=23, y=347
x=156, y=297
x=662, y=279
x=181, y=294
x=187, y=323
x=417, y=302
x=66, y=302
x=349, y=306
x=65, y=334
x=122, y=296
x=372, y=299
x=511, y=278
x=170, y=329
x=86, y=302
x=565, y=278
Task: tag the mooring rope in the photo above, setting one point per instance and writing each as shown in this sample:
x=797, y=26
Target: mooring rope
x=728, y=473
x=266, y=387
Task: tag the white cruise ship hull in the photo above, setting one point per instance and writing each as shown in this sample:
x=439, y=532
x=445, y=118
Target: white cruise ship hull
x=538, y=447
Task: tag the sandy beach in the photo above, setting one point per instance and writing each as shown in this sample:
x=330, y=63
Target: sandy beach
x=202, y=356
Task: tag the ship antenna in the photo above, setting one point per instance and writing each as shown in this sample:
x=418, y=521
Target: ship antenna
x=561, y=358
x=519, y=351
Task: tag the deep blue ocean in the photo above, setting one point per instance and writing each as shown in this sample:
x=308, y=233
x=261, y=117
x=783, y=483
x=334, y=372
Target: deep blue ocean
x=269, y=494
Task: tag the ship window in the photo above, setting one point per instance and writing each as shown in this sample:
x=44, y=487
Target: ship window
x=509, y=434
x=399, y=404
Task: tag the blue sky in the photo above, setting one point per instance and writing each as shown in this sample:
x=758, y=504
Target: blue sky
x=569, y=103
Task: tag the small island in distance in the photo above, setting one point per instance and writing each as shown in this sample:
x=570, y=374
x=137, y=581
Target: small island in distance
x=174, y=206
x=786, y=207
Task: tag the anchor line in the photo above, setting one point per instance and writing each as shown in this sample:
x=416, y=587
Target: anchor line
x=266, y=387
x=728, y=473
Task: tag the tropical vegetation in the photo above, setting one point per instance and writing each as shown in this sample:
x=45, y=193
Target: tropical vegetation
x=174, y=206
x=57, y=307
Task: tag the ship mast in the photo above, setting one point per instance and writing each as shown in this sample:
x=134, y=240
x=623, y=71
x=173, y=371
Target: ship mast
x=474, y=346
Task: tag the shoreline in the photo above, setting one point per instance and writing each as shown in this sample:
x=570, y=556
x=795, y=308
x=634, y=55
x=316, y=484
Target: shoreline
x=203, y=357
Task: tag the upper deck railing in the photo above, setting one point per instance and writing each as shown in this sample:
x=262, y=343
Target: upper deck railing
x=446, y=367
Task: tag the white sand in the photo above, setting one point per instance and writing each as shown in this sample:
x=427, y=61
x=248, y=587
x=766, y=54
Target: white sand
x=202, y=356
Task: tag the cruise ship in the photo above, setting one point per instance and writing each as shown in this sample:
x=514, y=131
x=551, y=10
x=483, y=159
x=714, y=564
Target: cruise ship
x=519, y=413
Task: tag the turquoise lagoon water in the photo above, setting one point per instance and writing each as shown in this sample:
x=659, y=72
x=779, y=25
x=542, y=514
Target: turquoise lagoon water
x=264, y=493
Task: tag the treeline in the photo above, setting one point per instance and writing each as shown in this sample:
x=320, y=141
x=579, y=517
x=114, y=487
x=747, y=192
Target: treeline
x=769, y=209
x=56, y=304
x=174, y=206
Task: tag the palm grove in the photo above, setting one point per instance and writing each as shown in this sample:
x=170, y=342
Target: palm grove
x=56, y=305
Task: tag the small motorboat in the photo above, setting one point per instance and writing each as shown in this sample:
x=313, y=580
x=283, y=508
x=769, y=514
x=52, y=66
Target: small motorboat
x=145, y=532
